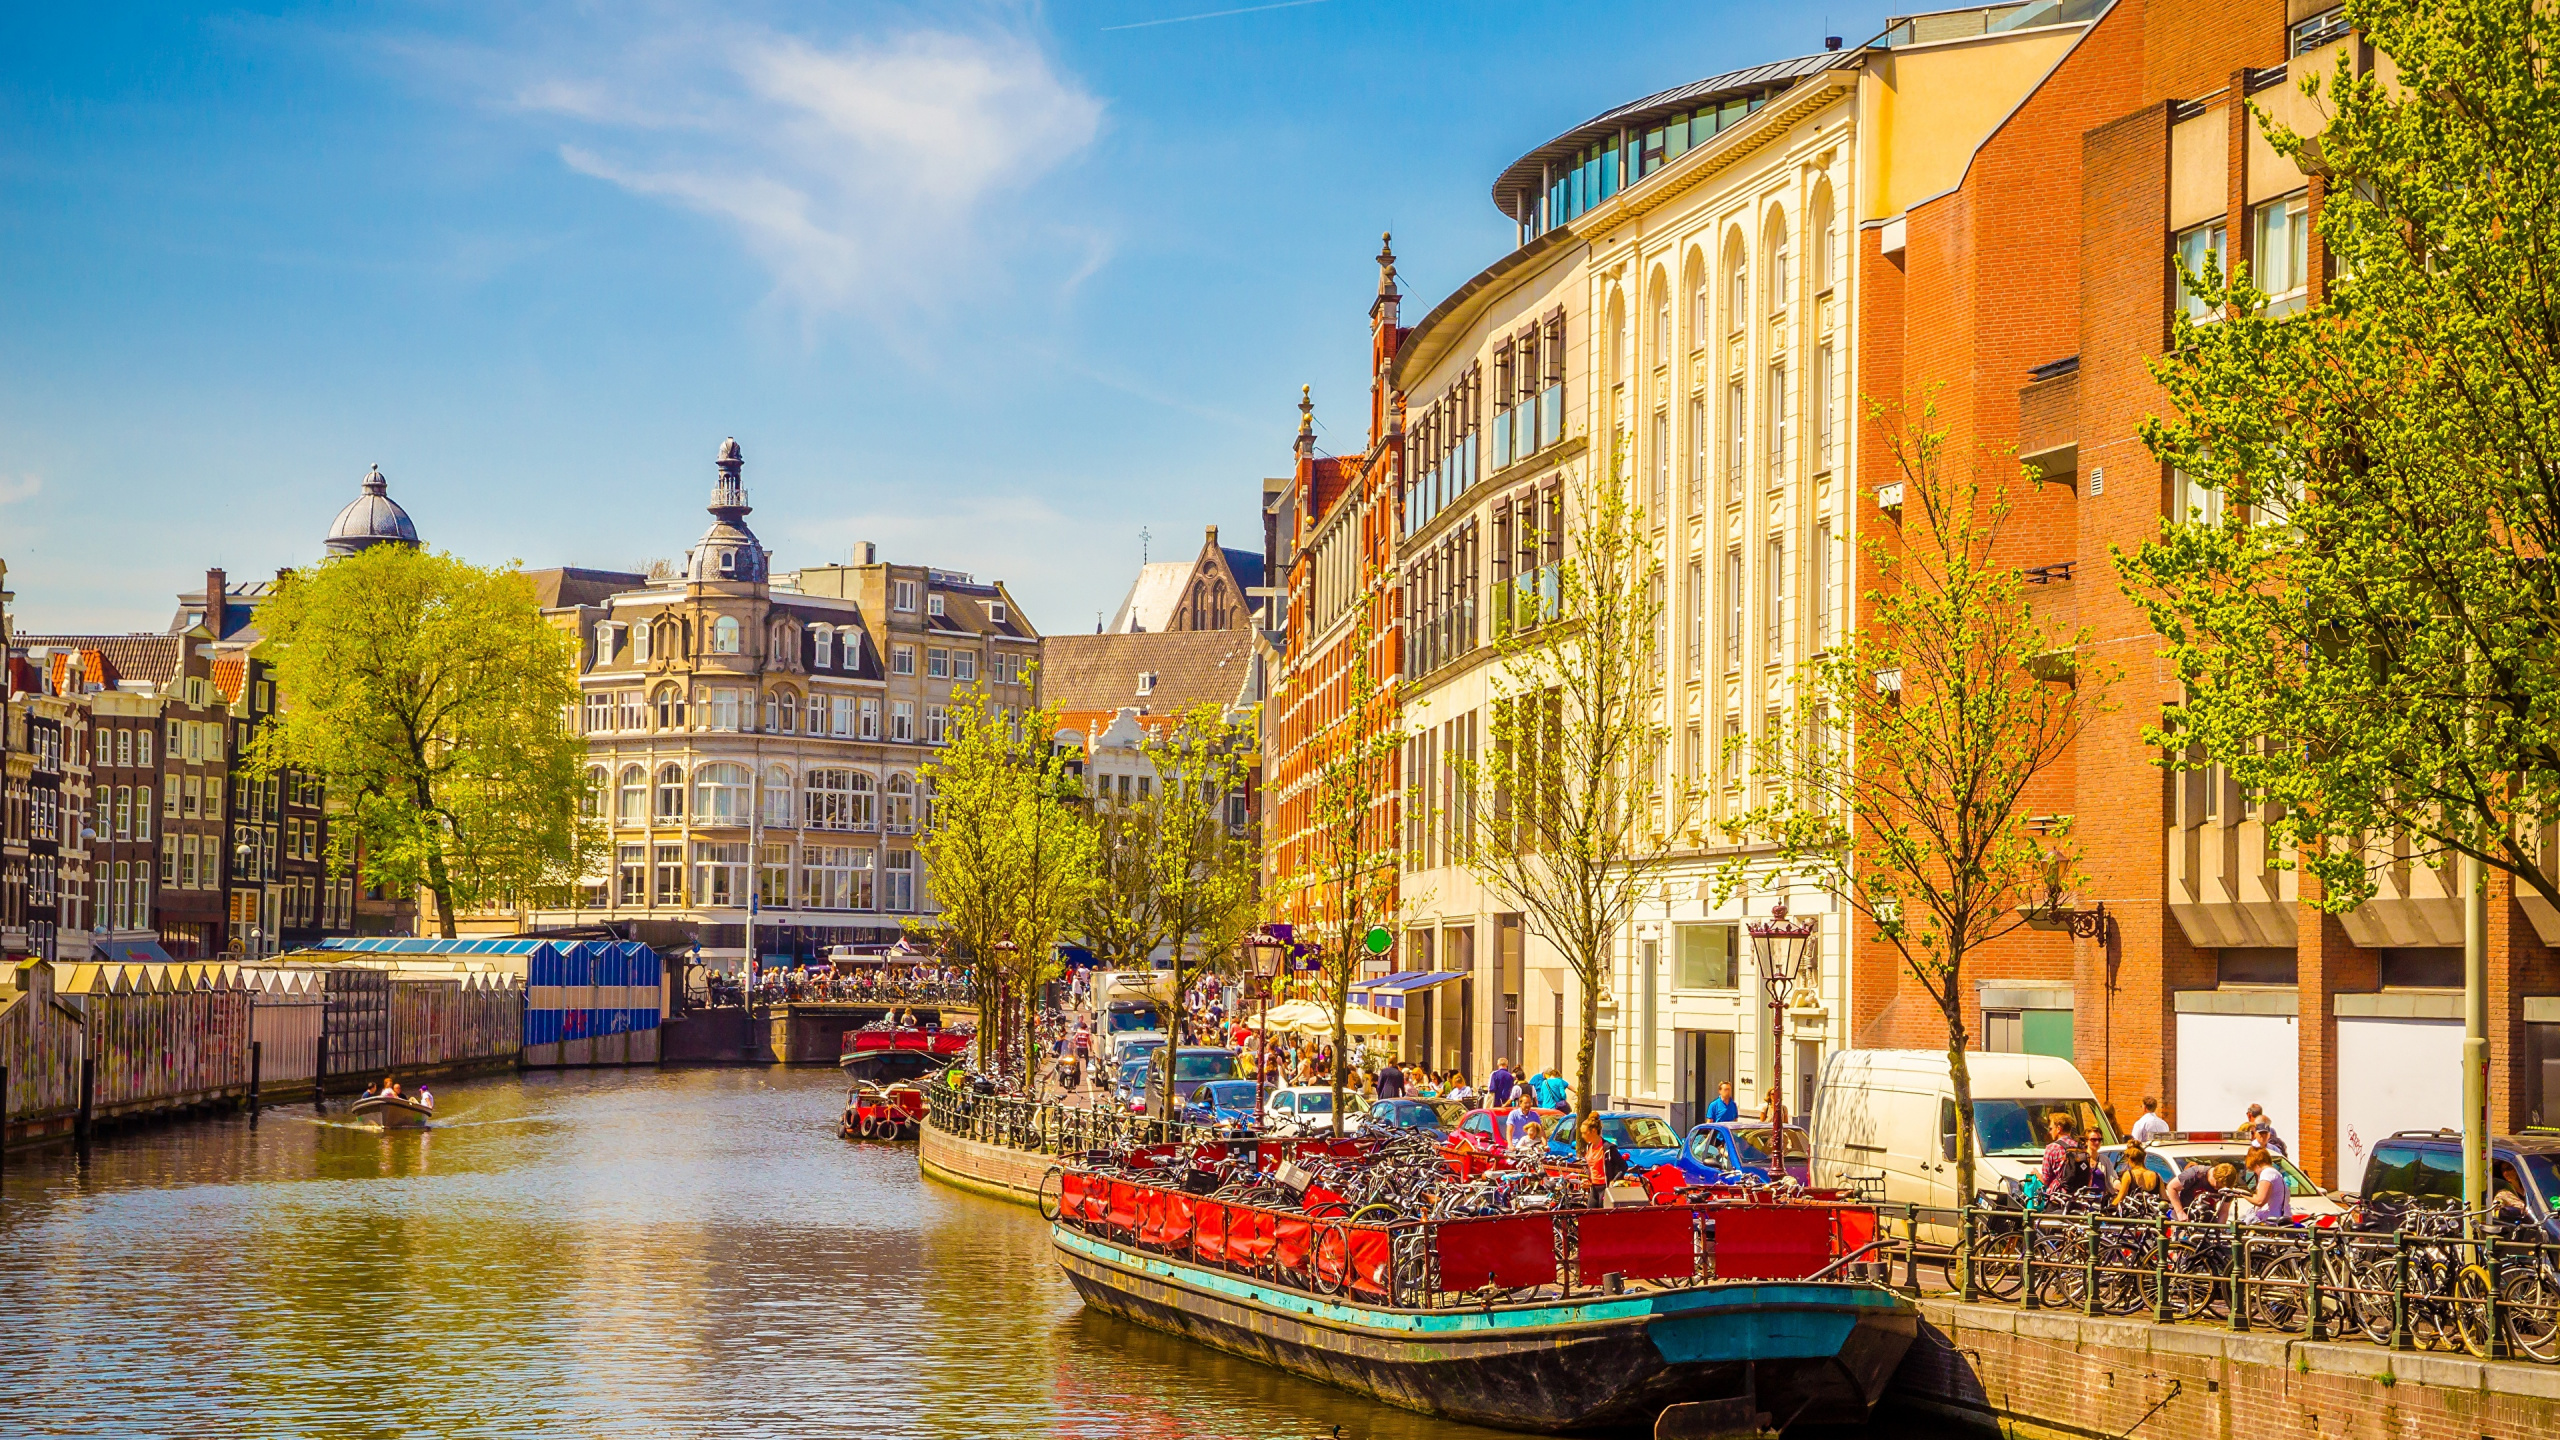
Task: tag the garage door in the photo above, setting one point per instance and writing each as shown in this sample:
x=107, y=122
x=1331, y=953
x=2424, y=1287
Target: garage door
x=2226, y=1063
x=2393, y=1074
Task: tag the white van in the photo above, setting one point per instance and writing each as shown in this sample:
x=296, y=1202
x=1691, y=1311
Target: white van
x=1884, y=1121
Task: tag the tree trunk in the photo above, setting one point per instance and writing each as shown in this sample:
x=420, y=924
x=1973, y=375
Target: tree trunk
x=1584, y=1052
x=440, y=884
x=1172, y=1033
x=1963, y=1082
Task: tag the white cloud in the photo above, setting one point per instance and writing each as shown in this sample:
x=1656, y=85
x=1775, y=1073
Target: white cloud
x=866, y=176
x=14, y=488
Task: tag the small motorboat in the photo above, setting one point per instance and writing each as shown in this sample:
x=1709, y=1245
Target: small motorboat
x=393, y=1112
x=882, y=1112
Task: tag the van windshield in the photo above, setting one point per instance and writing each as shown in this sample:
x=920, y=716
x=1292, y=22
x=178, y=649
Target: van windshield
x=1203, y=1065
x=1140, y=1017
x=2017, y=1127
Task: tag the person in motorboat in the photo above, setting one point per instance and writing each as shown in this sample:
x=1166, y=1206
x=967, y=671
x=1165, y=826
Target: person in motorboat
x=426, y=1097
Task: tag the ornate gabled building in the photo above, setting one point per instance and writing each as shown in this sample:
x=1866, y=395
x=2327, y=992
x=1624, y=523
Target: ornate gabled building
x=758, y=741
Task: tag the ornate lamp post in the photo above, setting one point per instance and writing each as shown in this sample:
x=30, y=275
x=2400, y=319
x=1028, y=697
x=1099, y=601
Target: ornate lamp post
x=1268, y=951
x=1790, y=955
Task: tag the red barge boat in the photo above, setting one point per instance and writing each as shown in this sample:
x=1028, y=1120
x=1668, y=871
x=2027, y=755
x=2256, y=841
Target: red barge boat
x=1726, y=1313
x=884, y=1062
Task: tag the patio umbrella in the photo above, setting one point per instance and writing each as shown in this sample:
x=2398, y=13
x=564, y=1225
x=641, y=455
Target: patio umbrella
x=1299, y=1015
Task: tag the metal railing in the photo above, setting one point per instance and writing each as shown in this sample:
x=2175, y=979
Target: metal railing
x=1046, y=1127
x=2419, y=1284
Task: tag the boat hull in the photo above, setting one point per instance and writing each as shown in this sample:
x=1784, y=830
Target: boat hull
x=393, y=1114
x=1814, y=1352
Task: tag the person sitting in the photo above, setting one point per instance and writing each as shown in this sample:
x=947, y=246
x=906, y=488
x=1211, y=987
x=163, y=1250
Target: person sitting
x=426, y=1097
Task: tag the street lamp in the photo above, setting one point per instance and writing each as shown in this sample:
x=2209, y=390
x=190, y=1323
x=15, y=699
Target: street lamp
x=1790, y=955
x=1269, y=951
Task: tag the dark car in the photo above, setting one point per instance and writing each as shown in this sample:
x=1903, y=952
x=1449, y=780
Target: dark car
x=1228, y=1104
x=1647, y=1140
x=2426, y=1166
x=1437, y=1116
x=1737, y=1151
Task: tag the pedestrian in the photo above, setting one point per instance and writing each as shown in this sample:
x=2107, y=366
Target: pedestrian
x=1461, y=1091
x=2138, y=1175
x=2272, y=1199
x=1595, y=1161
x=2063, y=1160
x=1553, y=1092
x=1522, y=1123
x=2194, y=1188
x=2263, y=1135
x=2150, y=1127
x=1391, y=1081
x=1499, y=1085
x=1721, y=1110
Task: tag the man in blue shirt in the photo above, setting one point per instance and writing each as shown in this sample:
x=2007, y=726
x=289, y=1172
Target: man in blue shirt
x=1500, y=1085
x=1721, y=1110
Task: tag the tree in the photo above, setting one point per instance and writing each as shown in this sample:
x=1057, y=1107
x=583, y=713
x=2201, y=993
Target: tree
x=1957, y=697
x=1345, y=880
x=2357, y=592
x=433, y=696
x=1203, y=872
x=1120, y=921
x=1008, y=859
x=1567, y=817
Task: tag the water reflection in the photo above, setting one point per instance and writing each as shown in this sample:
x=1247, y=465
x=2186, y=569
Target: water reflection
x=594, y=1254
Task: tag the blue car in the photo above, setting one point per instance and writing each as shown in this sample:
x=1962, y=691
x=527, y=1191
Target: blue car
x=1646, y=1140
x=1228, y=1104
x=1737, y=1152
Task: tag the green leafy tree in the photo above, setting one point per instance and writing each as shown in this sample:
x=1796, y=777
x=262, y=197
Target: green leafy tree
x=1567, y=816
x=1904, y=777
x=2357, y=591
x=1204, y=872
x=432, y=696
x=1121, y=922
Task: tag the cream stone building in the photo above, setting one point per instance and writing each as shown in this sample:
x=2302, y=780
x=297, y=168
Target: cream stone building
x=757, y=742
x=1682, y=307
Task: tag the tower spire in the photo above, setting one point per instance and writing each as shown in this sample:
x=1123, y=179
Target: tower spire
x=729, y=492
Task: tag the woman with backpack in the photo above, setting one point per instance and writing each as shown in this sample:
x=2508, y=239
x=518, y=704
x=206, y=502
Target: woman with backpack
x=1596, y=1151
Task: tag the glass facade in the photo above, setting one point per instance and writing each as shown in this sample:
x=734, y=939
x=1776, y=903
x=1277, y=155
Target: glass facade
x=1603, y=168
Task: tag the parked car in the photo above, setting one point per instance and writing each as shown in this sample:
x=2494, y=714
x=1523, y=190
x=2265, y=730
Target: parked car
x=1646, y=1139
x=1481, y=1137
x=1437, y=1116
x=1227, y=1104
x=1196, y=1065
x=1736, y=1152
x=2167, y=1156
x=1127, y=1047
x=1304, y=1110
x=2426, y=1166
x=1884, y=1122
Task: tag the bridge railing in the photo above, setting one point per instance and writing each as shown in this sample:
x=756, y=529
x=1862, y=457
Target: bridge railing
x=1046, y=1127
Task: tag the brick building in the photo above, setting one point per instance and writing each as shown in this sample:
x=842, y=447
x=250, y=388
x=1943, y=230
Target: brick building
x=2031, y=296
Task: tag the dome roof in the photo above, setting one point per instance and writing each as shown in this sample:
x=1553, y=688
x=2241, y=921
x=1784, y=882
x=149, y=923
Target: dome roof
x=372, y=518
x=728, y=550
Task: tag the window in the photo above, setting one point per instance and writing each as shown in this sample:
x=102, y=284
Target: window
x=1737, y=295
x=142, y=748
x=937, y=664
x=902, y=659
x=777, y=797
x=933, y=724
x=1703, y=958
x=720, y=794
x=822, y=647
x=168, y=860
x=2280, y=252
x=1781, y=424
x=1733, y=610
x=964, y=664
x=1826, y=423
x=870, y=719
x=640, y=640
x=1737, y=424
x=995, y=612
x=719, y=873
x=1781, y=268
x=633, y=808
x=630, y=875
x=724, y=634
x=1825, y=580
x=1694, y=621
x=835, y=877
x=901, y=889
x=2194, y=499
x=849, y=649
x=628, y=714
x=773, y=878
x=194, y=792
x=830, y=802
x=590, y=804
x=1773, y=609
x=721, y=710
x=1697, y=455
x=670, y=707
x=1823, y=241
x=670, y=791
x=1693, y=757
x=902, y=596
x=901, y=818
x=902, y=720
x=933, y=605
x=2194, y=247
x=142, y=812
x=1661, y=467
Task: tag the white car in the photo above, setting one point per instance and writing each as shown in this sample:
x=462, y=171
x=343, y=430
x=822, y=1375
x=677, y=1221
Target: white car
x=2169, y=1155
x=1307, y=1110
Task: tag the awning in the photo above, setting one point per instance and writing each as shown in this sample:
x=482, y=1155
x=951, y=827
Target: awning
x=129, y=952
x=1388, y=992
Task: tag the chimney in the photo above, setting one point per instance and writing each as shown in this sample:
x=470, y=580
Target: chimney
x=1213, y=537
x=216, y=601
x=866, y=553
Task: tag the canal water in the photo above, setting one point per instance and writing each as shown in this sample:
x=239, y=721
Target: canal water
x=608, y=1253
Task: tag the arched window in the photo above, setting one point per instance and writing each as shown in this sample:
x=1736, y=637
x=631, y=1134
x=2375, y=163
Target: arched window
x=1782, y=273
x=849, y=643
x=865, y=802
x=724, y=631
x=790, y=713
x=640, y=638
x=902, y=805
x=777, y=797
x=634, y=808
x=1617, y=339
x=1701, y=324
x=1737, y=285
x=1825, y=244
x=591, y=804
x=1661, y=319
x=720, y=794
x=670, y=704
x=822, y=644
x=828, y=804
x=671, y=791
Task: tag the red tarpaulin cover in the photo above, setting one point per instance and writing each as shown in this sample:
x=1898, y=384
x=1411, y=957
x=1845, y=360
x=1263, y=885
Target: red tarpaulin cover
x=1508, y=1251
x=1209, y=1232
x=1648, y=1243
x=1291, y=1235
x=1771, y=1242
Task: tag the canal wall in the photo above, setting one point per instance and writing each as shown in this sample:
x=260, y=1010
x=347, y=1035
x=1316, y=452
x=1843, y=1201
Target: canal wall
x=2047, y=1373
x=997, y=1171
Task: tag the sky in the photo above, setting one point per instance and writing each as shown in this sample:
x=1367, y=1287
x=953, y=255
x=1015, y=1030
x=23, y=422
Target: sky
x=1019, y=290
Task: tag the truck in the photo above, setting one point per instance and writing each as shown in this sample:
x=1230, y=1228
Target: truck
x=1884, y=1121
x=1128, y=1005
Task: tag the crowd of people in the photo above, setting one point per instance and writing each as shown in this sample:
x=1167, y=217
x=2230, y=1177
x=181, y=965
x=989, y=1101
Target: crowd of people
x=776, y=985
x=2255, y=1191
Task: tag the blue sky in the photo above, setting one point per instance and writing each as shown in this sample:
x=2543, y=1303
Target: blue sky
x=994, y=286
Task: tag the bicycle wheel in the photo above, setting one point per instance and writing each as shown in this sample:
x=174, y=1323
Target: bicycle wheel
x=2530, y=1310
x=1375, y=1213
x=2060, y=1282
x=2195, y=1285
x=2473, y=1286
x=2278, y=1293
x=1998, y=1270
x=1053, y=1192
x=2371, y=1276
